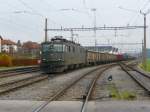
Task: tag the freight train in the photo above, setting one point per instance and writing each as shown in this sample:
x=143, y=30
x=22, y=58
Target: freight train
x=59, y=55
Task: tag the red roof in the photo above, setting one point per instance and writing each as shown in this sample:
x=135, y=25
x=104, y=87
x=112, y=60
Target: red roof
x=8, y=42
x=31, y=45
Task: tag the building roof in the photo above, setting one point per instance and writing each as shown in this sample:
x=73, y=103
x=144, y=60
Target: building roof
x=31, y=45
x=8, y=42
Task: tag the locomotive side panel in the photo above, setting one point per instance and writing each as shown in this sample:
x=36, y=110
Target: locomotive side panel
x=75, y=56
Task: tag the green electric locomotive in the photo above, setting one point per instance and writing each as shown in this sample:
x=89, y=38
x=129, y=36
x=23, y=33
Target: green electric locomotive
x=60, y=54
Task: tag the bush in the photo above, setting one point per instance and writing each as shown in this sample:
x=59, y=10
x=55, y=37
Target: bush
x=5, y=60
x=24, y=62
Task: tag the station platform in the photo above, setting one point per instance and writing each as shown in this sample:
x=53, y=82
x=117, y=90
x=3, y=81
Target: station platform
x=75, y=106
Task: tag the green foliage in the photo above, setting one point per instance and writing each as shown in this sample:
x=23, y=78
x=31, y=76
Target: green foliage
x=114, y=92
x=24, y=62
x=121, y=95
x=5, y=60
x=126, y=95
x=148, y=66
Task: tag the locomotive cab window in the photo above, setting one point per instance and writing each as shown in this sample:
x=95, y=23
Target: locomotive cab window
x=52, y=48
x=46, y=47
x=58, y=48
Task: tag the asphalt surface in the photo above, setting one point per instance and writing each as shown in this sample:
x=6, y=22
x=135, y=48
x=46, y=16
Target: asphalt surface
x=75, y=106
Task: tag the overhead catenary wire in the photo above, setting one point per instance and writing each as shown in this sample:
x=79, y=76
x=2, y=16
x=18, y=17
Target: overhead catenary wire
x=27, y=6
x=16, y=24
x=145, y=5
x=32, y=13
x=48, y=4
x=35, y=12
x=134, y=20
x=142, y=7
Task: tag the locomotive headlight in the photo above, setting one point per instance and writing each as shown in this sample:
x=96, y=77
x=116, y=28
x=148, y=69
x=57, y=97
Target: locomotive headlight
x=60, y=60
x=43, y=59
x=40, y=52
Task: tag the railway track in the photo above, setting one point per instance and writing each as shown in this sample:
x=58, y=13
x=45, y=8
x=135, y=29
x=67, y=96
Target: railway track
x=13, y=85
x=18, y=71
x=73, y=82
x=131, y=63
x=140, y=78
x=91, y=88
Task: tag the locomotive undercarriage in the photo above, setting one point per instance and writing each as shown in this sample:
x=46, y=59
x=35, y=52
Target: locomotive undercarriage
x=56, y=68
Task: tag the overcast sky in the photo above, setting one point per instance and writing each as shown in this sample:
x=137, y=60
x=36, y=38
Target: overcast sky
x=30, y=24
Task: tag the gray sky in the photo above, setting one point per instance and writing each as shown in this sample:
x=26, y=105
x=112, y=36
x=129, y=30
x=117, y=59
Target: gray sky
x=30, y=25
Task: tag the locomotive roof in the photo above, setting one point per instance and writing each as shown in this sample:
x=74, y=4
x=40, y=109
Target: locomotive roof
x=60, y=39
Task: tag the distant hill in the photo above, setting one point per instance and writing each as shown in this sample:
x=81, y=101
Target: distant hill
x=148, y=53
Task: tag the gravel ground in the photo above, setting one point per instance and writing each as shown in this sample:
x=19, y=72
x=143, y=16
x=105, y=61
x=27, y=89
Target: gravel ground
x=122, y=87
x=79, y=89
x=18, y=77
x=101, y=91
x=46, y=88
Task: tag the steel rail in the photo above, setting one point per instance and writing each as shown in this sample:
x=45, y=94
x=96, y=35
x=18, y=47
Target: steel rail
x=20, y=80
x=133, y=69
x=17, y=69
x=11, y=86
x=91, y=88
x=137, y=80
x=61, y=92
x=14, y=73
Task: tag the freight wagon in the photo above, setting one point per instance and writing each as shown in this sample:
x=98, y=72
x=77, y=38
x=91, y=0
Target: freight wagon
x=60, y=54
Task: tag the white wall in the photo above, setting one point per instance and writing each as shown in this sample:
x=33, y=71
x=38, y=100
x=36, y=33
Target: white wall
x=5, y=48
x=0, y=45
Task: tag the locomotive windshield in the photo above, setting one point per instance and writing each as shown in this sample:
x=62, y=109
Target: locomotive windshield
x=52, y=48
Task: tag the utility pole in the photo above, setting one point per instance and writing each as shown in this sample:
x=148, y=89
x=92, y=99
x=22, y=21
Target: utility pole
x=94, y=11
x=142, y=50
x=46, y=37
x=115, y=33
x=72, y=35
x=144, y=47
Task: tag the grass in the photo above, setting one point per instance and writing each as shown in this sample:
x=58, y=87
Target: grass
x=148, y=66
x=123, y=95
x=114, y=92
x=128, y=95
